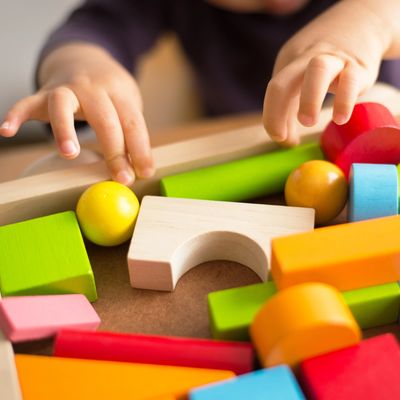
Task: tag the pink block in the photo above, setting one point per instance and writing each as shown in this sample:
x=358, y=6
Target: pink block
x=36, y=317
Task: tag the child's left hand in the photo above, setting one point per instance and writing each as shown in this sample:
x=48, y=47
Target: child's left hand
x=339, y=52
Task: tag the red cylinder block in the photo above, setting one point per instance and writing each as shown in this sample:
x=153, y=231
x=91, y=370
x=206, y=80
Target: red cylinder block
x=372, y=135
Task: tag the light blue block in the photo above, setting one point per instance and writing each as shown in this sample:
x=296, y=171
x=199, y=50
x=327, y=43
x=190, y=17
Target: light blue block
x=373, y=191
x=276, y=383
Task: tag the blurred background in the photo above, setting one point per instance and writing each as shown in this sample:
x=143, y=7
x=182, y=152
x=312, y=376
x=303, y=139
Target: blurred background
x=164, y=76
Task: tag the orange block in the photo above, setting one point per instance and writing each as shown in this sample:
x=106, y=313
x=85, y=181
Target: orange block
x=50, y=378
x=302, y=322
x=347, y=256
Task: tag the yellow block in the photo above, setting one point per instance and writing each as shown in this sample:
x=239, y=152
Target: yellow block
x=348, y=256
x=302, y=322
x=50, y=378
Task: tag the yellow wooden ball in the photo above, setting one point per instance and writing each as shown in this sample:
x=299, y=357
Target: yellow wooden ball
x=320, y=185
x=107, y=213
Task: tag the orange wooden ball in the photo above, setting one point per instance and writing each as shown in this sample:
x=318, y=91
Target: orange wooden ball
x=320, y=185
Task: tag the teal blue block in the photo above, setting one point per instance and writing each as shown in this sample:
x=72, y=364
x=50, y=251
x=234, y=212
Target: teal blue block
x=373, y=191
x=276, y=383
x=43, y=256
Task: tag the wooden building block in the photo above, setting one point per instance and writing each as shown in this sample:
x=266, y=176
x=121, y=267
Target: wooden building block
x=37, y=317
x=49, y=378
x=372, y=135
x=375, y=305
x=369, y=370
x=301, y=322
x=232, y=310
x=276, y=383
x=172, y=236
x=58, y=191
x=373, y=191
x=347, y=256
x=9, y=384
x=160, y=350
x=45, y=256
x=244, y=179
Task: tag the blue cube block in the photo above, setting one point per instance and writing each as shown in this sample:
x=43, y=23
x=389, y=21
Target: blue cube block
x=276, y=383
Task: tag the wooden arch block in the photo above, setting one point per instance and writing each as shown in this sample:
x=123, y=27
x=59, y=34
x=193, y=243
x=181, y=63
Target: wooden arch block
x=372, y=135
x=301, y=322
x=174, y=235
x=373, y=191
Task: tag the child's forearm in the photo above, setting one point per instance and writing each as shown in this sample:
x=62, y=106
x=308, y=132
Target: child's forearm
x=387, y=16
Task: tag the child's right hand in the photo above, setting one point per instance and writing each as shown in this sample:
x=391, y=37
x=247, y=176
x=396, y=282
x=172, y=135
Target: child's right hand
x=83, y=82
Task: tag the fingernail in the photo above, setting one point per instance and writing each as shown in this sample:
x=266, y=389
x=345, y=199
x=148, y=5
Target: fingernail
x=340, y=119
x=125, y=177
x=69, y=148
x=5, y=125
x=306, y=120
x=147, y=173
x=277, y=138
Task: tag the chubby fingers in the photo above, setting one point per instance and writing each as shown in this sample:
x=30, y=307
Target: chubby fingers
x=320, y=73
x=280, y=103
x=31, y=107
x=135, y=134
x=102, y=116
x=62, y=105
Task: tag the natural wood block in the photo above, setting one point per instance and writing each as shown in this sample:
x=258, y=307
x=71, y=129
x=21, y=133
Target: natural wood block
x=240, y=180
x=374, y=191
x=232, y=310
x=301, y=322
x=276, y=383
x=45, y=256
x=49, y=378
x=9, y=384
x=36, y=317
x=372, y=135
x=172, y=236
x=160, y=350
x=347, y=256
x=369, y=370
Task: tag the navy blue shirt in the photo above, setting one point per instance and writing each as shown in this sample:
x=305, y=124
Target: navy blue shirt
x=232, y=54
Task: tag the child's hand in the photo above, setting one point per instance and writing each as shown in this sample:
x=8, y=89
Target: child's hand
x=84, y=82
x=339, y=52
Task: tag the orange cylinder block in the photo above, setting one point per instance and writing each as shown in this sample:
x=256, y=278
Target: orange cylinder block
x=302, y=322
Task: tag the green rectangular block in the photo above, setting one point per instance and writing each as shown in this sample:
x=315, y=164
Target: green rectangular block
x=231, y=311
x=45, y=255
x=374, y=306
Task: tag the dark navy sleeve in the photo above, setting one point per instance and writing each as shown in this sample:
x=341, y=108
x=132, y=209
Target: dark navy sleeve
x=125, y=28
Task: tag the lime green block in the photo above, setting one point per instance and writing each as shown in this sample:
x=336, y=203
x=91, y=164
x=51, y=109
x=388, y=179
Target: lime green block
x=374, y=306
x=240, y=180
x=45, y=256
x=231, y=311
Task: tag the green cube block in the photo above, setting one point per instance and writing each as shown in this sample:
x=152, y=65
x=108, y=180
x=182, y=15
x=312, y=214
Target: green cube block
x=374, y=306
x=45, y=256
x=231, y=311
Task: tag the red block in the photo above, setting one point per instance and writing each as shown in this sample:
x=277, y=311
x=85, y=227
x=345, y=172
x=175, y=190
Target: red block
x=372, y=135
x=186, y=352
x=367, y=371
